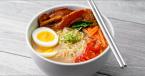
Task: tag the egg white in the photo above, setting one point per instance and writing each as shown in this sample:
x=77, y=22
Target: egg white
x=41, y=43
x=50, y=54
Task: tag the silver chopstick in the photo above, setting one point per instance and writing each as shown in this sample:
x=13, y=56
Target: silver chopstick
x=107, y=34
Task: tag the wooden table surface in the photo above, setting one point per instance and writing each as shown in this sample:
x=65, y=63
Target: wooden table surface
x=127, y=17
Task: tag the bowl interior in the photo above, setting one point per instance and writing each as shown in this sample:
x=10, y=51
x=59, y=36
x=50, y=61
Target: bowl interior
x=34, y=24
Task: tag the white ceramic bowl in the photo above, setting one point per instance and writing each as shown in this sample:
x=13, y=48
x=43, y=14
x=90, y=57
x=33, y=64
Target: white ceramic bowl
x=53, y=68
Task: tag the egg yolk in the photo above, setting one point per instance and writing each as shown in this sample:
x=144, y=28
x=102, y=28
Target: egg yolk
x=44, y=49
x=45, y=36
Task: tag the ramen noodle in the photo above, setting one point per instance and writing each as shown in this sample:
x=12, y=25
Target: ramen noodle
x=69, y=36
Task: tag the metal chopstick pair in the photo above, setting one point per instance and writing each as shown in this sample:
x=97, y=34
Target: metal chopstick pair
x=107, y=34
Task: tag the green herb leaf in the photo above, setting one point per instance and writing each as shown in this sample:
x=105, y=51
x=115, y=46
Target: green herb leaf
x=81, y=24
x=72, y=36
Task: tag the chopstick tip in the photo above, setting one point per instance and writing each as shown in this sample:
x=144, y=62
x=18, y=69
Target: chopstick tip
x=123, y=66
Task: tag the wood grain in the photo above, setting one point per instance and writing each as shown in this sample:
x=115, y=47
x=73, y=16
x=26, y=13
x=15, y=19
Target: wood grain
x=130, y=38
x=127, y=17
x=12, y=65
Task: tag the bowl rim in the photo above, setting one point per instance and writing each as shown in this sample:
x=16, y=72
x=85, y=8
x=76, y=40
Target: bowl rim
x=61, y=63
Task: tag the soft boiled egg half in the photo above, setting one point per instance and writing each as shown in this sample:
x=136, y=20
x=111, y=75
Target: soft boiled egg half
x=46, y=38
